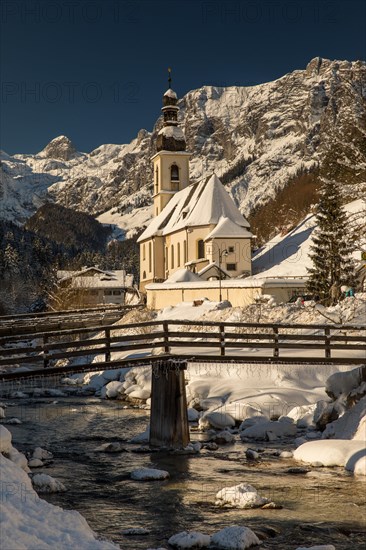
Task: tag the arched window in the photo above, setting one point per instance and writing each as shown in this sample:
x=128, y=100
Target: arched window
x=157, y=211
x=144, y=251
x=185, y=251
x=172, y=257
x=178, y=254
x=166, y=258
x=156, y=179
x=144, y=275
x=150, y=257
x=174, y=172
x=200, y=249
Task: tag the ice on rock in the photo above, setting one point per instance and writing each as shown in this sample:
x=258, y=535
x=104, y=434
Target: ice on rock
x=112, y=390
x=149, y=474
x=143, y=437
x=219, y=420
x=270, y=430
x=35, y=463
x=235, y=538
x=303, y=416
x=44, y=483
x=240, y=496
x=335, y=452
x=190, y=539
x=223, y=437
x=41, y=454
x=5, y=440
x=19, y=459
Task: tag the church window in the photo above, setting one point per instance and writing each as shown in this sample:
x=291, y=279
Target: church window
x=150, y=257
x=166, y=259
x=178, y=254
x=156, y=179
x=172, y=256
x=174, y=172
x=185, y=251
x=157, y=211
x=144, y=275
x=200, y=249
x=144, y=252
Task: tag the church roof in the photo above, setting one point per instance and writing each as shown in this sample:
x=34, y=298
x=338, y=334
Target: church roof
x=227, y=229
x=202, y=203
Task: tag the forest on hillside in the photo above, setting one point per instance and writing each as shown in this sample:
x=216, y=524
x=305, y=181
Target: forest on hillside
x=54, y=238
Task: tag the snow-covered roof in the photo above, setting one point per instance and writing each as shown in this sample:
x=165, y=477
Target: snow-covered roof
x=207, y=202
x=226, y=228
x=214, y=267
x=171, y=93
x=183, y=276
x=93, y=277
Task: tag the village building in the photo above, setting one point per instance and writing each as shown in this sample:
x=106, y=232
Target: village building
x=91, y=286
x=196, y=225
x=198, y=242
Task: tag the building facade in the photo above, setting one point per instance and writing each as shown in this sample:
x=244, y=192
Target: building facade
x=195, y=225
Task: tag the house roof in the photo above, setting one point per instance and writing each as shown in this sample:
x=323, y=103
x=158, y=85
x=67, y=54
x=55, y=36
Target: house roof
x=214, y=267
x=202, y=203
x=93, y=277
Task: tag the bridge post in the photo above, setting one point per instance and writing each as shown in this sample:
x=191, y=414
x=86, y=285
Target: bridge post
x=168, y=419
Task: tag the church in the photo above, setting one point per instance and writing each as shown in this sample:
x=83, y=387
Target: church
x=196, y=226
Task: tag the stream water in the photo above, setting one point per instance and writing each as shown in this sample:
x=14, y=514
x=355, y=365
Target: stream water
x=322, y=506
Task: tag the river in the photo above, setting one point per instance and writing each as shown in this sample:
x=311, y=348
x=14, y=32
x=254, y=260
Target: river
x=324, y=506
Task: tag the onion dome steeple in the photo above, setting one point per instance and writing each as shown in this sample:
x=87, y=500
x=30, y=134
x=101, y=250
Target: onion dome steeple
x=170, y=137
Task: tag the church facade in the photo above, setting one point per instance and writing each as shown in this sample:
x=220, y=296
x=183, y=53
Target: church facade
x=196, y=226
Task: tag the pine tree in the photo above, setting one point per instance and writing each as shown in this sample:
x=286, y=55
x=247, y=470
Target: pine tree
x=331, y=252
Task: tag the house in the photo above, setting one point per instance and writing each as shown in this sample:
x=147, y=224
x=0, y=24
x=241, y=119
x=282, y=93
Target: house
x=92, y=286
x=196, y=225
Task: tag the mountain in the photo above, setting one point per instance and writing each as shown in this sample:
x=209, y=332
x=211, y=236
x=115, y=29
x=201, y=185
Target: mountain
x=271, y=144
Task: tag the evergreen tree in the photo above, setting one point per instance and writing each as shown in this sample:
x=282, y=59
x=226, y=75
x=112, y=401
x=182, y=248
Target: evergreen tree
x=332, y=248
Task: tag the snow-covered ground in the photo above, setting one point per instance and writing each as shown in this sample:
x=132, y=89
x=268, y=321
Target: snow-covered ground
x=30, y=523
x=288, y=255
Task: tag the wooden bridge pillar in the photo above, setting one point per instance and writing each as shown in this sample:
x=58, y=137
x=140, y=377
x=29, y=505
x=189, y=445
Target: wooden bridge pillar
x=169, y=420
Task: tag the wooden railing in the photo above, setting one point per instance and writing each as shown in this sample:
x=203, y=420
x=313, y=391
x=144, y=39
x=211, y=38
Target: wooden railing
x=250, y=341
x=30, y=323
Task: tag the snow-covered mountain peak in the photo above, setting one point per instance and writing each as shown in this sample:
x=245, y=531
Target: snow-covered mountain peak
x=60, y=148
x=270, y=144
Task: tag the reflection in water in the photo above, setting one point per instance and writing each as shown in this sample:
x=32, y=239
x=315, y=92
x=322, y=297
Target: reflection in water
x=325, y=506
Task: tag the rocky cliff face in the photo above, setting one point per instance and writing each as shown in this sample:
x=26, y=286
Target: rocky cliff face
x=270, y=144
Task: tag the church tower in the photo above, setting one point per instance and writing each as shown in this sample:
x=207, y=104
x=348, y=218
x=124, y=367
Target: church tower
x=171, y=162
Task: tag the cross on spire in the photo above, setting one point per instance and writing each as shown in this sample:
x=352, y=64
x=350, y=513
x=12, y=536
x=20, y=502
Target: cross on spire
x=170, y=77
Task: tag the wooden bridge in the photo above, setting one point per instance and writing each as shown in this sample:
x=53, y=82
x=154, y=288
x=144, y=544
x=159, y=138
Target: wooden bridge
x=168, y=346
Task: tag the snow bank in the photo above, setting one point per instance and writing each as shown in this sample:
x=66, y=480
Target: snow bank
x=5, y=440
x=217, y=420
x=337, y=452
x=270, y=430
x=190, y=539
x=235, y=538
x=30, y=522
x=351, y=425
x=47, y=484
x=149, y=474
x=240, y=496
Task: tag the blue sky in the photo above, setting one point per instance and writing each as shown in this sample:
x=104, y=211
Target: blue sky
x=96, y=70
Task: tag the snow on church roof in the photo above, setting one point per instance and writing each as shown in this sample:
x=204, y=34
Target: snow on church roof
x=172, y=131
x=228, y=229
x=171, y=93
x=202, y=203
